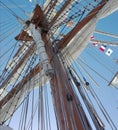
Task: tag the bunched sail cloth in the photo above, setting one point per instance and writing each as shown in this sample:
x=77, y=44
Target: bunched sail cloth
x=114, y=81
x=15, y=76
x=109, y=8
x=5, y=128
x=3, y=93
x=7, y=110
x=81, y=39
x=13, y=62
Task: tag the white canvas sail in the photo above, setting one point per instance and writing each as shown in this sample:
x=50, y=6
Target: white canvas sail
x=114, y=81
x=5, y=128
x=80, y=41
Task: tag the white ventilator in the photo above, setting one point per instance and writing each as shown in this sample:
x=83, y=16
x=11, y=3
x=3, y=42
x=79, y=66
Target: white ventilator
x=46, y=67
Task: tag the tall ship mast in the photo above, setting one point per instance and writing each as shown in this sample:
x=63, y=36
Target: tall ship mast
x=56, y=66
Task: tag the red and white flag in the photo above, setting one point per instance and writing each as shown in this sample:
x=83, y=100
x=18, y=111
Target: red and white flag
x=92, y=37
x=102, y=48
x=95, y=43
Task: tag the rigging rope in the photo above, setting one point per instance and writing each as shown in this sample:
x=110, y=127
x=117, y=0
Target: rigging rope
x=110, y=122
x=90, y=108
x=106, y=115
x=93, y=70
x=10, y=11
x=18, y=6
x=44, y=121
x=5, y=70
x=8, y=34
x=15, y=94
x=76, y=104
x=5, y=27
x=97, y=58
x=77, y=62
x=7, y=51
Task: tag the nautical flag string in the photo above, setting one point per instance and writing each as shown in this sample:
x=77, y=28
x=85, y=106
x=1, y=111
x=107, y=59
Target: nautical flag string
x=95, y=43
x=102, y=48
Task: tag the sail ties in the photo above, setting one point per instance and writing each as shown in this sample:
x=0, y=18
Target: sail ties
x=36, y=34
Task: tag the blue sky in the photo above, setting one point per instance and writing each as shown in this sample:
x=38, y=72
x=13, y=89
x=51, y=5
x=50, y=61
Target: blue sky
x=108, y=95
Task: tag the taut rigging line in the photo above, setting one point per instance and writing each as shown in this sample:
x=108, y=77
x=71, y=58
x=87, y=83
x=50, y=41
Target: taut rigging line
x=11, y=12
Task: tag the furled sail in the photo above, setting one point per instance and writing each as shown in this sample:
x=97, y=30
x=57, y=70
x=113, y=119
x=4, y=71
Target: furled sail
x=20, y=59
x=80, y=41
x=110, y=7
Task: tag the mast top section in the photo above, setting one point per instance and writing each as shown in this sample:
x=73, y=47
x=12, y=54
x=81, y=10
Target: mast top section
x=39, y=20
